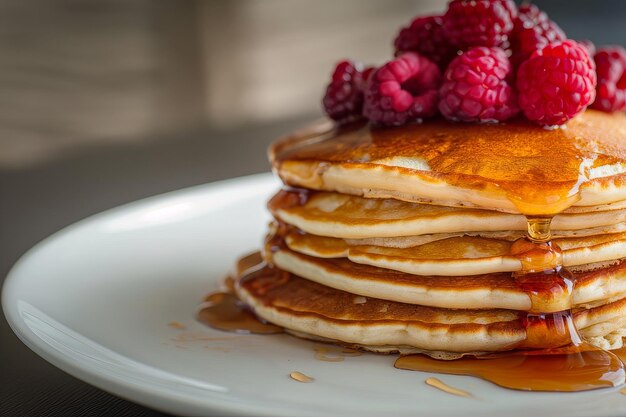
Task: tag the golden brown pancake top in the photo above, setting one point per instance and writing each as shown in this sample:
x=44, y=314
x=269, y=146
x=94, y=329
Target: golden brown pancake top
x=532, y=165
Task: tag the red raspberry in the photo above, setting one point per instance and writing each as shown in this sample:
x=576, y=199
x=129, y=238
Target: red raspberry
x=425, y=36
x=403, y=90
x=556, y=83
x=344, y=95
x=476, y=87
x=365, y=76
x=590, y=46
x=532, y=31
x=611, y=91
x=470, y=23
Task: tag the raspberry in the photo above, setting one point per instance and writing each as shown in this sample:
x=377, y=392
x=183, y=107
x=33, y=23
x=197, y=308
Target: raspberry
x=365, y=76
x=403, y=90
x=556, y=83
x=532, y=30
x=425, y=36
x=611, y=90
x=476, y=87
x=589, y=46
x=470, y=23
x=344, y=95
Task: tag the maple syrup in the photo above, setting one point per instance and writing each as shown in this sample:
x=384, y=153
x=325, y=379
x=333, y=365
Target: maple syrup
x=334, y=354
x=289, y=197
x=229, y=285
x=548, y=322
x=442, y=386
x=224, y=311
x=274, y=241
x=300, y=377
x=561, y=370
x=539, y=171
x=620, y=353
x=326, y=354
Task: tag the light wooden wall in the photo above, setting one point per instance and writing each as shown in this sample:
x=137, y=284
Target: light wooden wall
x=80, y=72
x=271, y=59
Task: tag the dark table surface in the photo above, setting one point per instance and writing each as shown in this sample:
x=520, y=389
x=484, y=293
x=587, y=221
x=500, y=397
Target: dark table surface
x=38, y=201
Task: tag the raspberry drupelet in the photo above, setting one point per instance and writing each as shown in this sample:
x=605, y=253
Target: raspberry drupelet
x=403, y=90
x=556, y=83
x=476, y=87
x=589, y=46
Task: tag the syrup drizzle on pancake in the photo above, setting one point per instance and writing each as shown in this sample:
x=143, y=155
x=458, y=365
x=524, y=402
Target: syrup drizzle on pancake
x=289, y=197
x=540, y=171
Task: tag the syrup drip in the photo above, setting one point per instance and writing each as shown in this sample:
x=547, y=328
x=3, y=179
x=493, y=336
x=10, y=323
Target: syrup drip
x=440, y=385
x=561, y=360
x=274, y=240
x=334, y=354
x=539, y=229
x=229, y=285
x=548, y=322
x=289, y=197
x=224, y=311
x=620, y=353
x=300, y=377
x=327, y=355
x=176, y=325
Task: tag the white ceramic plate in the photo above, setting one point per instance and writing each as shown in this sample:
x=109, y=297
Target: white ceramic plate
x=96, y=298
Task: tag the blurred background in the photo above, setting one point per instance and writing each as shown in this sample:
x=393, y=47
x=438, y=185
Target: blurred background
x=105, y=102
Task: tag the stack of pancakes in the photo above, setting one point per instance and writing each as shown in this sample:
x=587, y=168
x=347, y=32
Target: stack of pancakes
x=399, y=239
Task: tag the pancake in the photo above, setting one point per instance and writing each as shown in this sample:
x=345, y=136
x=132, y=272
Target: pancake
x=511, y=167
x=409, y=239
x=465, y=255
x=486, y=291
x=610, y=341
x=353, y=217
x=304, y=306
x=412, y=241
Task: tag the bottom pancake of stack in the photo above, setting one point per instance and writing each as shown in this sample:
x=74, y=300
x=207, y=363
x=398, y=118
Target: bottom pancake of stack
x=310, y=310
